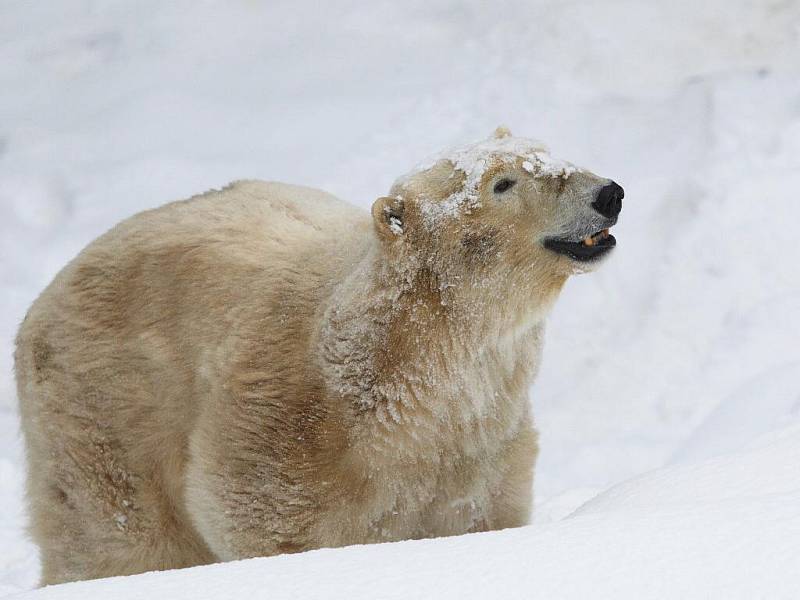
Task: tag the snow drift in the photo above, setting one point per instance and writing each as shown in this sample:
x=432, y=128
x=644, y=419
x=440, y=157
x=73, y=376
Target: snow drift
x=725, y=527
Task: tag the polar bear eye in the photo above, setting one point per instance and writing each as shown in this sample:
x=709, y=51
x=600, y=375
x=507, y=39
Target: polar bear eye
x=503, y=185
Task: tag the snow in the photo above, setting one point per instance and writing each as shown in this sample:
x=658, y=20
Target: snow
x=668, y=397
x=721, y=528
x=395, y=225
x=474, y=159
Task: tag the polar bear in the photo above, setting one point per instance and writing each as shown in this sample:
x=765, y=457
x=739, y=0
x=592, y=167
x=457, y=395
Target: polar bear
x=266, y=369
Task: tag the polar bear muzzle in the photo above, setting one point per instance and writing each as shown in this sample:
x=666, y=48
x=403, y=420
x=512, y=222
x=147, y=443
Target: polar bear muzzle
x=592, y=247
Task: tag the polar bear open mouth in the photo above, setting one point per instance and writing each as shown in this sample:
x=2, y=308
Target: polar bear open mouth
x=589, y=248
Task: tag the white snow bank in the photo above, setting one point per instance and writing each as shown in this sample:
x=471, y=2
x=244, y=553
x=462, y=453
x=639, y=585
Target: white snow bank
x=727, y=527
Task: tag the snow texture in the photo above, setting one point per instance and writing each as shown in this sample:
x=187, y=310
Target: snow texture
x=668, y=397
x=721, y=528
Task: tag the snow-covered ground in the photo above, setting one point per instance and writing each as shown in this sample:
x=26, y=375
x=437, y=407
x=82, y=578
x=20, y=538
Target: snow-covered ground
x=679, y=359
x=721, y=528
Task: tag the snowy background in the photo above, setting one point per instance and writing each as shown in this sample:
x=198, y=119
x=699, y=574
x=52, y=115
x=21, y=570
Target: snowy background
x=669, y=397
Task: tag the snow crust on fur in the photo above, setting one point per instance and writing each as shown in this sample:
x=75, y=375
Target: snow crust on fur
x=473, y=160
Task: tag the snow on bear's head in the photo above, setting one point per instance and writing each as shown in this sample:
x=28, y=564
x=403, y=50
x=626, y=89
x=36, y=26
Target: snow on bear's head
x=501, y=211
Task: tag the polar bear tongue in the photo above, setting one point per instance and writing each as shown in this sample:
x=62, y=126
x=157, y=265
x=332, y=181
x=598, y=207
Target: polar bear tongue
x=591, y=240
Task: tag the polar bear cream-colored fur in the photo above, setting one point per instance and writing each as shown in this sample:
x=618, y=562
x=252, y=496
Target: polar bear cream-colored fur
x=267, y=369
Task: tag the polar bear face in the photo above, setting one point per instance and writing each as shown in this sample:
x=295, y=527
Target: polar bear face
x=501, y=207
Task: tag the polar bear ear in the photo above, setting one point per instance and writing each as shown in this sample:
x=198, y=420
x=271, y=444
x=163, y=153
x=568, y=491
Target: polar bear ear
x=502, y=132
x=387, y=214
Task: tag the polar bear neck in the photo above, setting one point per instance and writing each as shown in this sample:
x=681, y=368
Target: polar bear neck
x=412, y=368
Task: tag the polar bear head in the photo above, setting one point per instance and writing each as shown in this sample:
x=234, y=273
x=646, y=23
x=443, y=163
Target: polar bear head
x=502, y=211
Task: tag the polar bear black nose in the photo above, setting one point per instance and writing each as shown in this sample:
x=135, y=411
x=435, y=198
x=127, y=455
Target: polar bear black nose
x=609, y=200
